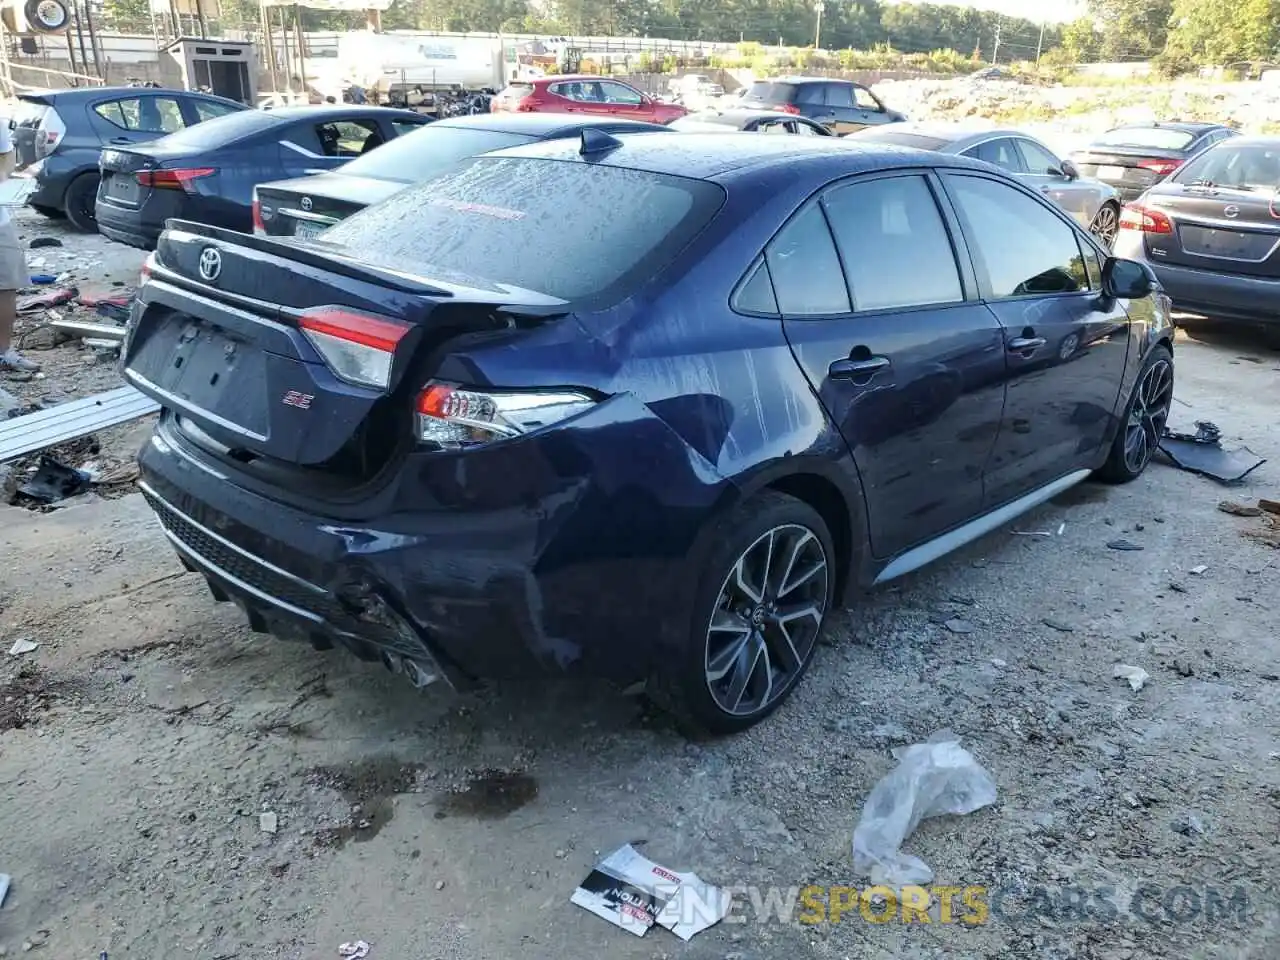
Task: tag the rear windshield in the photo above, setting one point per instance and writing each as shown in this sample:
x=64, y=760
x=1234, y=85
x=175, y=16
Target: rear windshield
x=586, y=234
x=900, y=138
x=222, y=130
x=428, y=152
x=27, y=113
x=1158, y=138
x=772, y=92
x=1235, y=166
x=517, y=90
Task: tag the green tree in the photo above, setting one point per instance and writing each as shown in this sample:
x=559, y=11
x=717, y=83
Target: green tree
x=1131, y=29
x=1226, y=31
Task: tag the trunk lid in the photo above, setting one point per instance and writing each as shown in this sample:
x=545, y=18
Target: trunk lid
x=1125, y=165
x=306, y=206
x=31, y=138
x=246, y=381
x=1218, y=229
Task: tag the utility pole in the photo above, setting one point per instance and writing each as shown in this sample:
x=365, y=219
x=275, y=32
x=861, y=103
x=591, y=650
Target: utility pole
x=817, y=33
x=995, y=53
x=1040, y=43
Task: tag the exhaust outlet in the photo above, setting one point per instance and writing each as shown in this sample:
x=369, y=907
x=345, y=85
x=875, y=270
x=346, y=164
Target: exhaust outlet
x=417, y=675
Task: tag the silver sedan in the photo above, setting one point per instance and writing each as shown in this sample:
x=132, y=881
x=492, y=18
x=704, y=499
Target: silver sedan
x=1094, y=204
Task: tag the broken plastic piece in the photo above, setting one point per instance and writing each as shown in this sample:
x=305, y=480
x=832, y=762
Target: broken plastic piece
x=932, y=779
x=355, y=949
x=4, y=887
x=1136, y=676
x=23, y=645
x=54, y=481
x=634, y=893
x=1202, y=452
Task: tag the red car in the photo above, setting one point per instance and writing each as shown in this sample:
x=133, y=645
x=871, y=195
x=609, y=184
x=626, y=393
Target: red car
x=600, y=96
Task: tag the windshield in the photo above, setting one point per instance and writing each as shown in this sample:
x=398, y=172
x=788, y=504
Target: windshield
x=1159, y=138
x=222, y=130
x=429, y=151
x=1251, y=166
x=570, y=230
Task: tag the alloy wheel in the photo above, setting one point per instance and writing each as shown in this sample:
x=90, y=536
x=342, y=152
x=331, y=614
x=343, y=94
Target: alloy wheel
x=1105, y=225
x=766, y=620
x=1147, y=416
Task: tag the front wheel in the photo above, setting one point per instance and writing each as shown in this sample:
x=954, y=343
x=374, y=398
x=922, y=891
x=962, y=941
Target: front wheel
x=1106, y=224
x=80, y=203
x=1146, y=414
x=760, y=609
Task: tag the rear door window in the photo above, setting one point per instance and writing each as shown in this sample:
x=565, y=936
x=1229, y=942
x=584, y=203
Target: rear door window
x=814, y=93
x=839, y=94
x=805, y=267
x=771, y=92
x=894, y=244
x=143, y=114
x=1021, y=247
x=583, y=233
x=1001, y=153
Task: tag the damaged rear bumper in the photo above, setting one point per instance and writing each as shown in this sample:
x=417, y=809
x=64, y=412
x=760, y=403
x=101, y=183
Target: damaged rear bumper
x=524, y=569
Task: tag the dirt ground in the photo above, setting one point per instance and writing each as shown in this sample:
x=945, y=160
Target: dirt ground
x=143, y=739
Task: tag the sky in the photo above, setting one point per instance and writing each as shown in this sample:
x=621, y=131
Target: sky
x=1052, y=11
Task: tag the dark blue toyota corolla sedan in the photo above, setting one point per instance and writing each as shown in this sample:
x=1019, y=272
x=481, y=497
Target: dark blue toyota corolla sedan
x=641, y=407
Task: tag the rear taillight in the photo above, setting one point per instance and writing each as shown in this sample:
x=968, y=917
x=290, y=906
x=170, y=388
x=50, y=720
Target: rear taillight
x=1134, y=216
x=452, y=417
x=358, y=348
x=789, y=108
x=526, y=104
x=49, y=134
x=1161, y=168
x=258, y=227
x=173, y=179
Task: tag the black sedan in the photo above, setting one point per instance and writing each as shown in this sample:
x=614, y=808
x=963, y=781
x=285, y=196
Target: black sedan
x=750, y=121
x=59, y=135
x=1211, y=233
x=207, y=173
x=305, y=206
x=642, y=407
x=1132, y=158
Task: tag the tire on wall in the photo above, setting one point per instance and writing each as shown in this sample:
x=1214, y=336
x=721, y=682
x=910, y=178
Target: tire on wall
x=46, y=16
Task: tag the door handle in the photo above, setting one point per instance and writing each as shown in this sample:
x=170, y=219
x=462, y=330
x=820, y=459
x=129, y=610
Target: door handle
x=848, y=369
x=121, y=140
x=1019, y=344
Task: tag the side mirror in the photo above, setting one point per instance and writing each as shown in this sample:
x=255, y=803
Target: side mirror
x=1069, y=170
x=1128, y=279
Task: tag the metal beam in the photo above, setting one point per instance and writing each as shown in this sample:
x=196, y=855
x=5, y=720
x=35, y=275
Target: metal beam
x=67, y=421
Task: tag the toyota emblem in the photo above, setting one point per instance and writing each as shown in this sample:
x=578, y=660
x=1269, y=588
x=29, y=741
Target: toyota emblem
x=210, y=264
x=1231, y=212
x=305, y=203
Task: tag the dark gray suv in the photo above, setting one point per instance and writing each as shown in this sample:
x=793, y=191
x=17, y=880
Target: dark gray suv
x=840, y=105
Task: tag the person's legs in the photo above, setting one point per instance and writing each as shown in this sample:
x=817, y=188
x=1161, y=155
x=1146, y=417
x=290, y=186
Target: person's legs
x=13, y=276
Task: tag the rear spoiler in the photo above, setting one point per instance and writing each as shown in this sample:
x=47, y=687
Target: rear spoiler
x=526, y=302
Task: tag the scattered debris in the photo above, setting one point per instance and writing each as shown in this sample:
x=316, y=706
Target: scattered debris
x=1124, y=545
x=1136, y=676
x=87, y=328
x=4, y=887
x=997, y=662
x=1202, y=452
x=439, y=884
x=68, y=421
x=354, y=950
x=39, y=242
x=23, y=645
x=1176, y=587
x=932, y=779
x=1183, y=669
x=268, y=822
x=1239, y=509
x=1057, y=625
x=1062, y=528
x=1189, y=826
x=1032, y=533
x=1199, y=569
x=634, y=893
x=1269, y=506
x=36, y=302
x=956, y=625
x=54, y=481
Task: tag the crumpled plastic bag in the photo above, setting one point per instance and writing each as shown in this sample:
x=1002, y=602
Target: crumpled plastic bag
x=932, y=779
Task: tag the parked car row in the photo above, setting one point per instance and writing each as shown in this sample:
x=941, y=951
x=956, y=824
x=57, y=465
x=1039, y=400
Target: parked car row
x=638, y=405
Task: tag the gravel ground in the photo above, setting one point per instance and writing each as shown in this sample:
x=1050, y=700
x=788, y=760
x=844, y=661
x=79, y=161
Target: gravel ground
x=143, y=739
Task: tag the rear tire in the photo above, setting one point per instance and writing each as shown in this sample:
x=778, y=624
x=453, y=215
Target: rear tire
x=1106, y=224
x=757, y=617
x=82, y=196
x=1145, y=415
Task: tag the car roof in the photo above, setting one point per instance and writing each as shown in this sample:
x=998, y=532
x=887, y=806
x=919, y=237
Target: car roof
x=949, y=134
x=743, y=114
x=74, y=94
x=713, y=156
x=339, y=109
x=542, y=124
x=1257, y=140
x=801, y=80
x=1186, y=126
x=556, y=78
